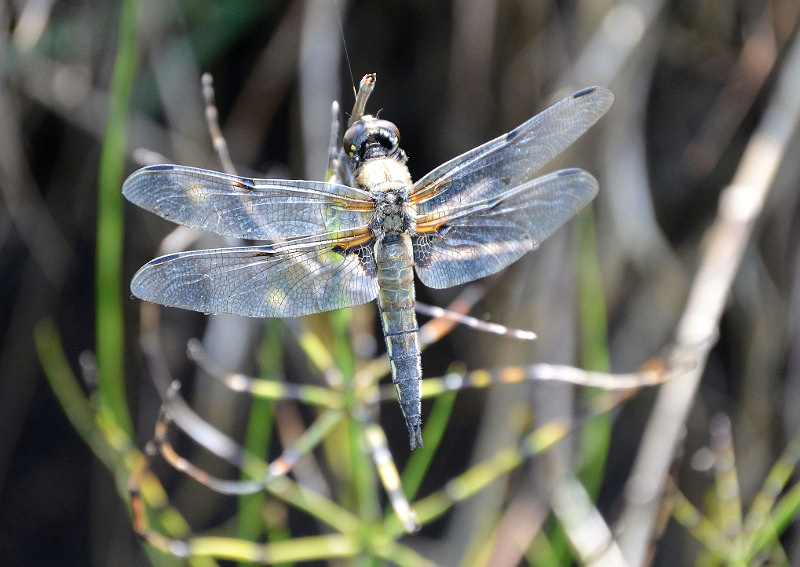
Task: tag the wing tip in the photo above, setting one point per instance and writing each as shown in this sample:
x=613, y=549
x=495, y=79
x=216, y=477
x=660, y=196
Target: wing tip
x=605, y=91
x=583, y=179
x=576, y=172
x=584, y=92
x=159, y=167
x=601, y=93
x=131, y=184
x=139, y=287
x=569, y=172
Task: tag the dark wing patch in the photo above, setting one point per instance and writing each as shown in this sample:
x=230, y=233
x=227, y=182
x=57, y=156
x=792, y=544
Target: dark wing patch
x=365, y=253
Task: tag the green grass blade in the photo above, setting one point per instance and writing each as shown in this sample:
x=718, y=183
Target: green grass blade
x=67, y=389
x=596, y=436
x=364, y=480
x=785, y=513
x=420, y=461
x=251, y=526
x=108, y=261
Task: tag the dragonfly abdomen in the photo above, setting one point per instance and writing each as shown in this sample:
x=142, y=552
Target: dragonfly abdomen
x=394, y=259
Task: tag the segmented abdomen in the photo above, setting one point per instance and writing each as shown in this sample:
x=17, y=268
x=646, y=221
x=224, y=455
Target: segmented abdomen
x=394, y=259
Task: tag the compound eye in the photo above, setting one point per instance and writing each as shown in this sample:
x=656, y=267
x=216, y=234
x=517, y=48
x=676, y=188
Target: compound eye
x=354, y=139
x=387, y=135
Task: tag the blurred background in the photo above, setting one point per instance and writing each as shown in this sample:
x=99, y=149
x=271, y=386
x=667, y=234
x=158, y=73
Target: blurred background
x=691, y=79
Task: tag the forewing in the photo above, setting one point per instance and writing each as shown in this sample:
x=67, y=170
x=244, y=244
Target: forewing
x=255, y=209
x=513, y=158
x=261, y=281
x=481, y=238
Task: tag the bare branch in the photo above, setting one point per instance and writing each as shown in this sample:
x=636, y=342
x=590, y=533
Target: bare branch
x=739, y=207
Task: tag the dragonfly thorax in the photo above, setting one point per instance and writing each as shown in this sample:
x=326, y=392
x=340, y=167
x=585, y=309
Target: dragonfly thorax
x=388, y=181
x=392, y=213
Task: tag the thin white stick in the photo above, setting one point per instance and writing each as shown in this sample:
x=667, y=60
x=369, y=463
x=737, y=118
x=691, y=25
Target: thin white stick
x=212, y=121
x=495, y=328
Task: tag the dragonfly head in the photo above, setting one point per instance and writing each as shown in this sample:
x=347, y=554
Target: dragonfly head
x=371, y=138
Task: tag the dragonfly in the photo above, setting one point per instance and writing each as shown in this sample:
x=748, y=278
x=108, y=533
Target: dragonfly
x=364, y=233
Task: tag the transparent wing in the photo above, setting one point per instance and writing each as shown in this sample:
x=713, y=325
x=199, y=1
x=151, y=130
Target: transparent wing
x=479, y=239
x=261, y=281
x=511, y=159
x=256, y=209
